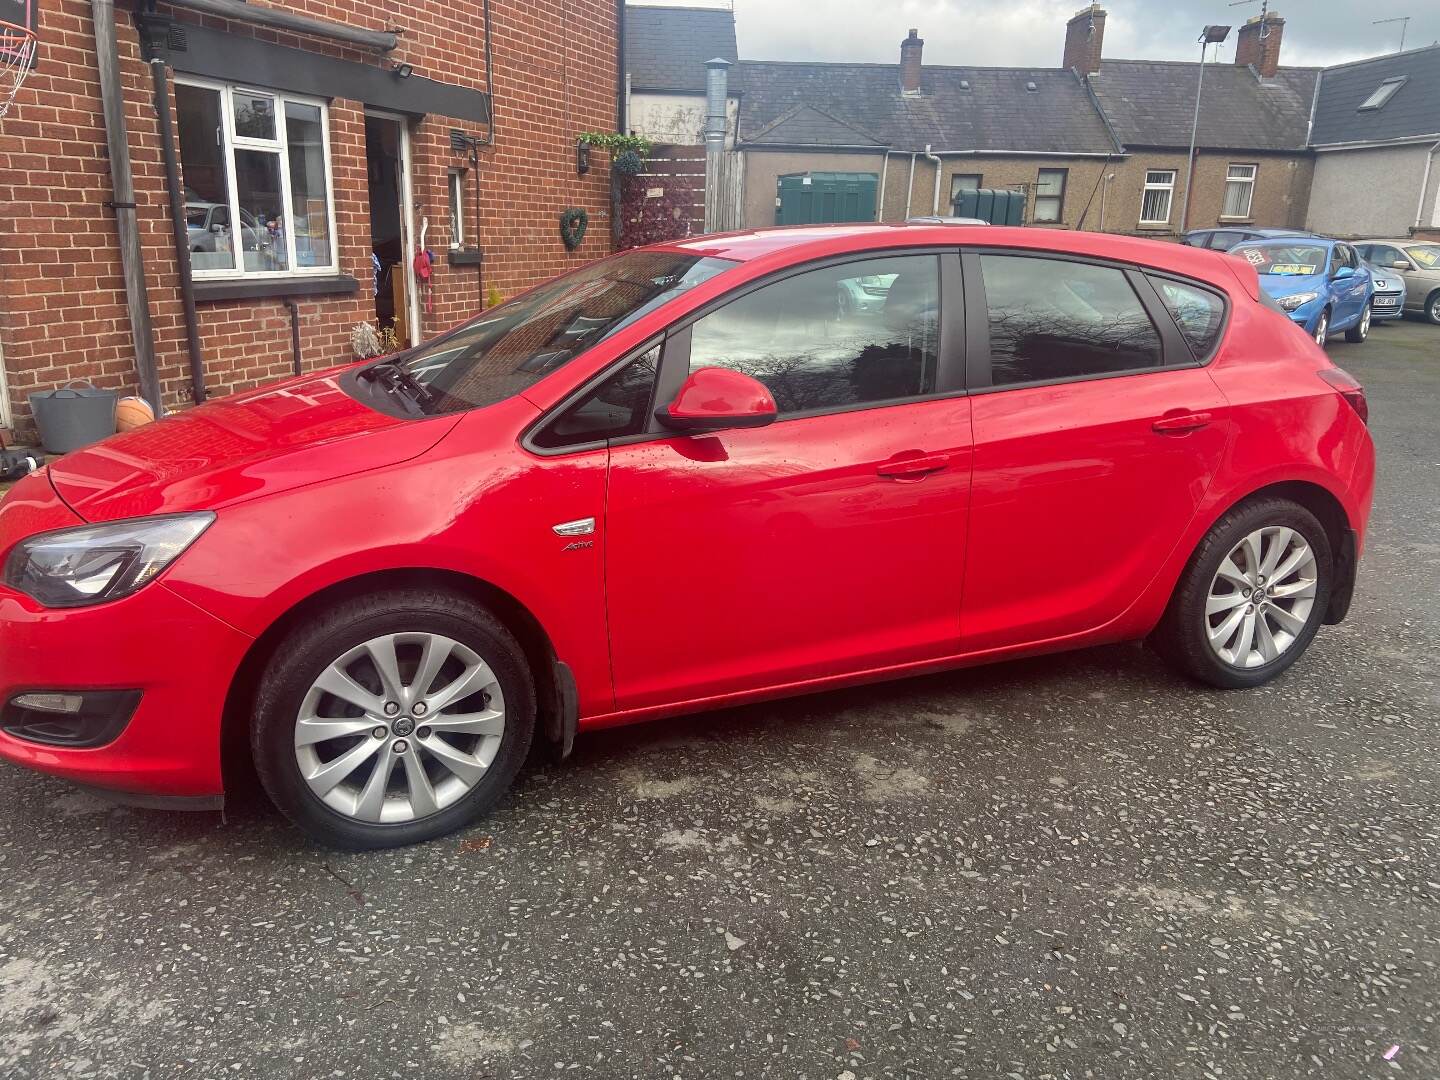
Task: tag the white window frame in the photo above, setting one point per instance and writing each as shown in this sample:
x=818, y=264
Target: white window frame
x=455, y=192
x=279, y=146
x=1167, y=187
x=1248, y=182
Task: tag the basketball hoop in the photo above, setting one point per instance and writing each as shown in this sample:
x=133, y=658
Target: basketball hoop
x=17, y=56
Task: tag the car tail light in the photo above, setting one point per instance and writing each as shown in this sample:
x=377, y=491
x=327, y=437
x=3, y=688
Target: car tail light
x=1349, y=388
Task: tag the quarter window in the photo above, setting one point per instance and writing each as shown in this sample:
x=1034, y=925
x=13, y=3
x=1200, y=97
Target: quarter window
x=1053, y=319
x=840, y=336
x=257, y=181
x=1159, y=192
x=1197, y=312
x=1239, y=191
x=1050, y=195
x=619, y=406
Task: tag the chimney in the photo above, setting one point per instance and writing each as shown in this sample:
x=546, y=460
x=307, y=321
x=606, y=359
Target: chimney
x=1259, y=43
x=1084, y=35
x=910, y=50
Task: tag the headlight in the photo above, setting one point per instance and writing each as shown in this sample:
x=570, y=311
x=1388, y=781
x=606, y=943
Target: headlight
x=1296, y=300
x=97, y=563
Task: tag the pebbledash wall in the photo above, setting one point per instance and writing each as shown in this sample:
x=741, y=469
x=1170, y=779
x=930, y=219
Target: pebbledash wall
x=63, y=314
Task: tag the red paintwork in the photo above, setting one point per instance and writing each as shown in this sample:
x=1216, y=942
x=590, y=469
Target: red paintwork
x=719, y=395
x=818, y=551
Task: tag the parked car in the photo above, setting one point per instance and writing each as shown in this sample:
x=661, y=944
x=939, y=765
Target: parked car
x=1418, y=262
x=1321, y=284
x=677, y=479
x=1225, y=239
x=1387, y=302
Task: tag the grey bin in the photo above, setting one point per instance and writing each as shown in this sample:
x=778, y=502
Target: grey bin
x=76, y=415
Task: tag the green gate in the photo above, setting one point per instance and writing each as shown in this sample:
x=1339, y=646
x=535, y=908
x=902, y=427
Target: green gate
x=816, y=198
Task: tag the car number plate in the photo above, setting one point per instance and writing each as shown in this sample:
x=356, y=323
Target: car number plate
x=1386, y=301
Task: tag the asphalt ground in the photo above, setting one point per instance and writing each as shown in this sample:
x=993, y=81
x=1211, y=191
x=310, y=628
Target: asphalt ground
x=1078, y=866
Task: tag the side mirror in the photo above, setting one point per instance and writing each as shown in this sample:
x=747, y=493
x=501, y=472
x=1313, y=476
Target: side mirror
x=715, y=399
x=1343, y=272
x=1399, y=264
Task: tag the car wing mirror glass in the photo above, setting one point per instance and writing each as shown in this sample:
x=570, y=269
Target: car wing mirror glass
x=716, y=399
x=1342, y=272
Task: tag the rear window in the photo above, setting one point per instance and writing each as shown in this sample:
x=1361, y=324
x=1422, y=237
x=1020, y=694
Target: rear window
x=517, y=344
x=1199, y=313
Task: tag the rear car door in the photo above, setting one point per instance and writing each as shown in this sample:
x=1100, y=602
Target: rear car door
x=1097, y=432
x=831, y=541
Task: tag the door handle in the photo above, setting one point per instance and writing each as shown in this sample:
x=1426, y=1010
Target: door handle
x=1181, y=423
x=913, y=467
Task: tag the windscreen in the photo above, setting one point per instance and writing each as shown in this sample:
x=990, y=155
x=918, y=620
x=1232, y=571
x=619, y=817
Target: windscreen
x=515, y=345
x=1426, y=255
x=1284, y=260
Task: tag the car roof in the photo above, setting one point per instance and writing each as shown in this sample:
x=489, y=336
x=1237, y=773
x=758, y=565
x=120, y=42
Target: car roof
x=1317, y=240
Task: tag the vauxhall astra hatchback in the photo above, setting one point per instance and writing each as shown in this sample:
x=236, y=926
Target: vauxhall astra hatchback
x=683, y=477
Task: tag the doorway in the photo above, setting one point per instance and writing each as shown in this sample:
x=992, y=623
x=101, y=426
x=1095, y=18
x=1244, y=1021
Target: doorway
x=392, y=226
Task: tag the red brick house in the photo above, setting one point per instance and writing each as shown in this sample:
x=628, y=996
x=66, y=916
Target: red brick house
x=316, y=143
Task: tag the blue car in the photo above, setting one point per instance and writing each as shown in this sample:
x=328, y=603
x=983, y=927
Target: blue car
x=1323, y=285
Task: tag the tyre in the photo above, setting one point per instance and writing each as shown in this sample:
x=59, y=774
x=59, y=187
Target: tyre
x=1432, y=307
x=1252, y=597
x=1322, y=329
x=1361, y=330
x=393, y=718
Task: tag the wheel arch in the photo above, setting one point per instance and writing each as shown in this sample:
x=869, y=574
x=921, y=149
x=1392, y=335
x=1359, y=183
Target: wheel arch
x=555, y=694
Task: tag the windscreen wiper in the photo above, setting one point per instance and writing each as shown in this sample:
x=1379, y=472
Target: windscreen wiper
x=393, y=376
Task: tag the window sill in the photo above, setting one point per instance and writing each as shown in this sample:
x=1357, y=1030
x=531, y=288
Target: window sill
x=262, y=288
x=1247, y=220
x=1155, y=226
x=465, y=256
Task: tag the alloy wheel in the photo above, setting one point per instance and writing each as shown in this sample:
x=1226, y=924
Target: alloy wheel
x=1434, y=308
x=1365, y=323
x=399, y=728
x=1322, y=329
x=1261, y=597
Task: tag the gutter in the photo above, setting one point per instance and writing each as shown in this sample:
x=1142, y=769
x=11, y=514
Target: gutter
x=1027, y=153
x=277, y=19
x=1407, y=140
x=935, y=210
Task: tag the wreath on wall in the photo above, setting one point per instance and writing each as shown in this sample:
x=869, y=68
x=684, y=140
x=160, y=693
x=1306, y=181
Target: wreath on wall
x=573, y=223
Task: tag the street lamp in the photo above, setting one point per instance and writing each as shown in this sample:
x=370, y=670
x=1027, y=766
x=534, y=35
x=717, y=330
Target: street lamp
x=1211, y=35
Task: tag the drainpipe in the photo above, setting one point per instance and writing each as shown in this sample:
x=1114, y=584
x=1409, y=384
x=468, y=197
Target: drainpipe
x=294, y=310
x=880, y=202
x=1424, y=187
x=931, y=157
x=717, y=78
x=122, y=180
x=910, y=188
x=178, y=225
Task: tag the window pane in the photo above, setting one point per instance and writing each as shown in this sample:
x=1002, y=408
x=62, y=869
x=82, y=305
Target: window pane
x=305, y=139
x=964, y=182
x=619, y=406
x=1237, y=199
x=1051, y=319
x=1047, y=208
x=1159, y=178
x=457, y=209
x=254, y=116
x=207, y=188
x=1198, y=313
x=844, y=335
x=1156, y=205
x=262, y=216
x=1051, y=182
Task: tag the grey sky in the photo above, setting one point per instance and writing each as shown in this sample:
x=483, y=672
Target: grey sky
x=1023, y=32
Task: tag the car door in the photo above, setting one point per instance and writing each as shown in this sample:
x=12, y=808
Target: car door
x=1097, y=433
x=831, y=541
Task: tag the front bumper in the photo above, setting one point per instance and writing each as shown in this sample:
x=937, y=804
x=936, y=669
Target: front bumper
x=181, y=659
x=1385, y=306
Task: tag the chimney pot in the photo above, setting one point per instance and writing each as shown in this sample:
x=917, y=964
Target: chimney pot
x=1084, y=39
x=911, y=50
x=1258, y=43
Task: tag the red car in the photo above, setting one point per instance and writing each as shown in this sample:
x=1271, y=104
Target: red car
x=683, y=477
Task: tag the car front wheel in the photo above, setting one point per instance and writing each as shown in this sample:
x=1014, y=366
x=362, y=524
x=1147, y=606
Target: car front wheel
x=1252, y=598
x=393, y=718
x=1432, y=307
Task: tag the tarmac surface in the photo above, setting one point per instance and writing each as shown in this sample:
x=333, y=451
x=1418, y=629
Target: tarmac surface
x=1079, y=866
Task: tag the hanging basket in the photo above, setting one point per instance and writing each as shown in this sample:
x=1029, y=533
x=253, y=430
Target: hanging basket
x=628, y=163
x=573, y=223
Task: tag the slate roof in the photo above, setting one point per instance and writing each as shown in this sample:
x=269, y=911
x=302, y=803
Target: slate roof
x=666, y=47
x=1152, y=103
x=996, y=112
x=1411, y=111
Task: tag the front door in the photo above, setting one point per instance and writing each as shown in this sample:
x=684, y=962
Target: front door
x=1091, y=458
x=832, y=541
x=392, y=228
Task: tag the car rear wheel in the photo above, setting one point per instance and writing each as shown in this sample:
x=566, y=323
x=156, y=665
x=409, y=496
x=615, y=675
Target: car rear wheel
x=1322, y=329
x=393, y=718
x=1252, y=598
x=1360, y=330
x=1432, y=307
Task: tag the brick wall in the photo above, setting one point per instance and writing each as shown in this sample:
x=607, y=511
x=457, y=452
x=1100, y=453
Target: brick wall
x=62, y=303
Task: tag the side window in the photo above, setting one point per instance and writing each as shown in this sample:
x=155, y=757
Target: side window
x=1053, y=319
x=617, y=407
x=1198, y=312
x=843, y=335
